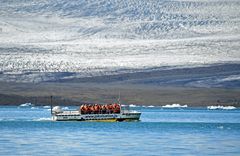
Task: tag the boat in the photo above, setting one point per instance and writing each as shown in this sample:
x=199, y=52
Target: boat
x=96, y=112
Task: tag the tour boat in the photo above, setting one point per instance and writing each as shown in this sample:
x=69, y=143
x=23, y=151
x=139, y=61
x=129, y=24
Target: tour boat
x=96, y=112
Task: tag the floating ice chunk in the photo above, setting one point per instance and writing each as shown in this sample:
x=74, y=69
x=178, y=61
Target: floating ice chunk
x=221, y=107
x=151, y=106
x=132, y=105
x=46, y=107
x=220, y=127
x=25, y=105
x=175, y=106
x=34, y=108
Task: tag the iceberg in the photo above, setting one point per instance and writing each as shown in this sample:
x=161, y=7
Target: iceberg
x=25, y=105
x=132, y=105
x=46, y=107
x=151, y=106
x=175, y=106
x=34, y=108
x=221, y=107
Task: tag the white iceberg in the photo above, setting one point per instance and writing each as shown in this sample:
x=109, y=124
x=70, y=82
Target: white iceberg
x=175, y=106
x=25, y=105
x=221, y=107
x=46, y=107
x=151, y=106
x=34, y=108
x=132, y=105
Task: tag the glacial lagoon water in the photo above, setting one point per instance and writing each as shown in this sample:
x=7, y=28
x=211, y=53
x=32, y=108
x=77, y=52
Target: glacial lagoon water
x=161, y=131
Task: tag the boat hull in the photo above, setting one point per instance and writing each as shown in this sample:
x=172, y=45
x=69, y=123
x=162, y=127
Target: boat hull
x=98, y=117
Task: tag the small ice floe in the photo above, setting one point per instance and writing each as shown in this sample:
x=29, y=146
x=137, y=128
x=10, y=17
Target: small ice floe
x=151, y=106
x=220, y=127
x=34, y=108
x=46, y=107
x=175, y=106
x=221, y=107
x=25, y=105
x=132, y=105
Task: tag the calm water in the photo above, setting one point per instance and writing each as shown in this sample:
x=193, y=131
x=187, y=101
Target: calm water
x=28, y=131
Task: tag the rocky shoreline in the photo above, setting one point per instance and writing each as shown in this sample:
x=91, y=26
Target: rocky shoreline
x=88, y=93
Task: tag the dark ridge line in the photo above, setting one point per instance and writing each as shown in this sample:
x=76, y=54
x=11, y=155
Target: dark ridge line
x=157, y=72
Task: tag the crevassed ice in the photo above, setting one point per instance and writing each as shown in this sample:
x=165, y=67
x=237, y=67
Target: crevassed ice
x=80, y=36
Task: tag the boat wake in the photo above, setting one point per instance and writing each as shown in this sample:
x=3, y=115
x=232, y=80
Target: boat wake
x=43, y=119
x=23, y=119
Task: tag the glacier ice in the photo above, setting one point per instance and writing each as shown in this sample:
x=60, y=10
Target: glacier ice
x=111, y=36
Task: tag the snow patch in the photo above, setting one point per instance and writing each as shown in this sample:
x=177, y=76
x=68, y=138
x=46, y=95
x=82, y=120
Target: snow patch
x=231, y=78
x=102, y=38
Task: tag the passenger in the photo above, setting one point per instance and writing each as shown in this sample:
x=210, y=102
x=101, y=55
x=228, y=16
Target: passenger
x=103, y=109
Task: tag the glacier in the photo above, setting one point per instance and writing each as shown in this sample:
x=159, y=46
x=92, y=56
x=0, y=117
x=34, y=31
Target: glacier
x=109, y=37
